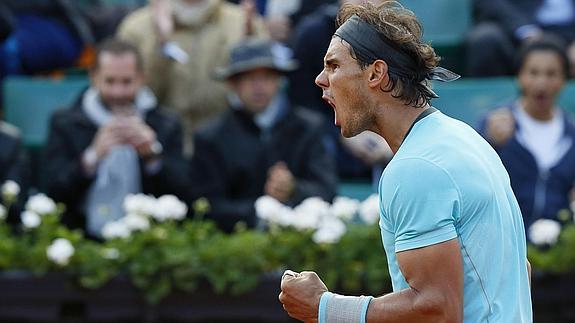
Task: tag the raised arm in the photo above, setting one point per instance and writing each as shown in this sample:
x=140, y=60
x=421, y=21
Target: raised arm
x=435, y=277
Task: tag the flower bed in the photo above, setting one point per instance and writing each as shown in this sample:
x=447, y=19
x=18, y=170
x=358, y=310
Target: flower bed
x=159, y=253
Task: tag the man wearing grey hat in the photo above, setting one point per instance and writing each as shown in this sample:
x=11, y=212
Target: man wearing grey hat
x=261, y=145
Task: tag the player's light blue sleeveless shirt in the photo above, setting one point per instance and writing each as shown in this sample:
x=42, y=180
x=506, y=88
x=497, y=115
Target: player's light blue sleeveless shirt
x=446, y=182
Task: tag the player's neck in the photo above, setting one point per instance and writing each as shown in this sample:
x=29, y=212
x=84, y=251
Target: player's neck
x=394, y=120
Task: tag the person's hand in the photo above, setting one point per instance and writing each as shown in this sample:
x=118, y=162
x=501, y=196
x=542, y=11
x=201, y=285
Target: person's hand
x=106, y=137
x=369, y=147
x=249, y=8
x=163, y=19
x=500, y=126
x=280, y=183
x=300, y=295
x=139, y=135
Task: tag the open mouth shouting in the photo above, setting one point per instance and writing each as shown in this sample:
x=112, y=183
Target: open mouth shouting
x=329, y=100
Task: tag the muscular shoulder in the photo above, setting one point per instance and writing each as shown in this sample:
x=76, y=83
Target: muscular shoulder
x=419, y=202
x=413, y=176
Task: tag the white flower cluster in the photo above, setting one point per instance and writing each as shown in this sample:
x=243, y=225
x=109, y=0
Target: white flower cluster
x=36, y=207
x=140, y=210
x=60, y=251
x=544, y=232
x=10, y=190
x=328, y=221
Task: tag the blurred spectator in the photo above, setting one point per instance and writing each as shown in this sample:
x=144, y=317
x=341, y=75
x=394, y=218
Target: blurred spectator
x=14, y=167
x=503, y=25
x=259, y=4
x=534, y=138
x=182, y=41
x=106, y=16
x=41, y=35
x=294, y=10
x=310, y=41
x=115, y=140
x=281, y=16
x=261, y=145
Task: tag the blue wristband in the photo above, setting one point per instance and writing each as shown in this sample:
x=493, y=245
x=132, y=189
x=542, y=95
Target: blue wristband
x=322, y=305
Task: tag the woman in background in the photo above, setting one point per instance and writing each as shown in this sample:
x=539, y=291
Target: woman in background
x=533, y=136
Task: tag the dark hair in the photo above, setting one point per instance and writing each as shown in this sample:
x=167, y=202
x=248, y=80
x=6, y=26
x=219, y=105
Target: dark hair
x=545, y=43
x=399, y=28
x=117, y=47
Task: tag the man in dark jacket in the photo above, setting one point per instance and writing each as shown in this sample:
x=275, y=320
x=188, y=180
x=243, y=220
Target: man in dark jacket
x=114, y=141
x=261, y=145
x=534, y=137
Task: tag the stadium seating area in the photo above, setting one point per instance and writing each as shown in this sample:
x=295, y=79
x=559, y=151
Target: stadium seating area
x=445, y=23
x=29, y=102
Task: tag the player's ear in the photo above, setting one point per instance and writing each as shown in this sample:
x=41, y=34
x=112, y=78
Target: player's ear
x=377, y=73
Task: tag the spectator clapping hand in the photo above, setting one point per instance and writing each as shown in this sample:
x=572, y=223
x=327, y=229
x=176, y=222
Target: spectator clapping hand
x=139, y=135
x=106, y=137
x=250, y=11
x=280, y=183
x=163, y=19
x=500, y=127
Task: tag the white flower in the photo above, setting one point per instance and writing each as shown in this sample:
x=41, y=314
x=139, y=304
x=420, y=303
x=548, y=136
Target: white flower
x=170, y=207
x=344, y=207
x=110, y=253
x=10, y=190
x=136, y=222
x=267, y=207
x=314, y=206
x=544, y=232
x=115, y=229
x=30, y=219
x=60, y=251
x=140, y=204
x=41, y=204
x=331, y=229
x=369, y=209
x=302, y=219
x=3, y=212
x=304, y=216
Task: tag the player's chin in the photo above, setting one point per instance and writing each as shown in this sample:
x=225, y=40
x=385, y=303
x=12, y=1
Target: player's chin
x=351, y=130
x=346, y=132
